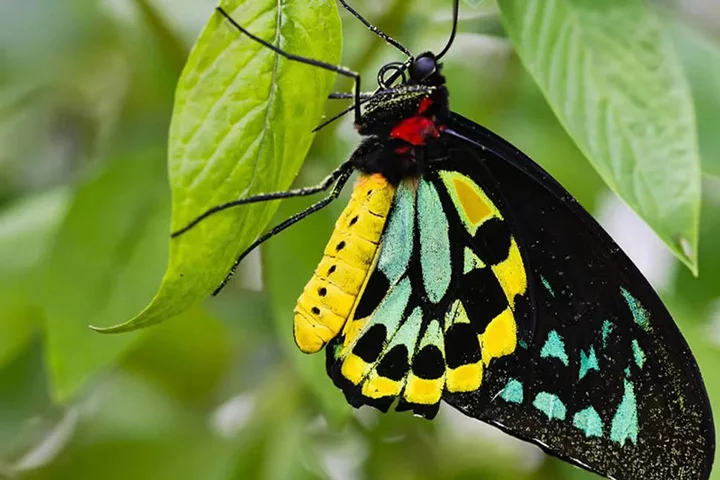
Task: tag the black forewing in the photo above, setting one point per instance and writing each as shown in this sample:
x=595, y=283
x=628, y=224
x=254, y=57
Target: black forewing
x=592, y=288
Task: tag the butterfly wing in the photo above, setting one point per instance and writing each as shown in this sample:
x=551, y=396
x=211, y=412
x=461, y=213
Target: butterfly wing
x=607, y=381
x=496, y=292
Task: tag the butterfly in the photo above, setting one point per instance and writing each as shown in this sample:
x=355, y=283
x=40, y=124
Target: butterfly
x=460, y=271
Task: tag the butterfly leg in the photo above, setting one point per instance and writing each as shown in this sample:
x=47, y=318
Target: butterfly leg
x=342, y=179
x=345, y=168
x=340, y=70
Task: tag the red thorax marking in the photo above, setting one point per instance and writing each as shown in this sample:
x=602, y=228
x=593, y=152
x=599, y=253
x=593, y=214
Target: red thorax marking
x=415, y=130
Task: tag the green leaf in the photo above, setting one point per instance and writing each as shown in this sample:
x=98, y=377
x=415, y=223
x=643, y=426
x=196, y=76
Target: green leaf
x=701, y=58
x=701, y=292
x=187, y=358
x=107, y=257
x=27, y=228
x=610, y=74
x=241, y=126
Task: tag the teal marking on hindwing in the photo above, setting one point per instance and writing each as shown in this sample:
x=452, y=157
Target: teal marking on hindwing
x=554, y=347
x=434, y=242
x=550, y=405
x=522, y=344
x=397, y=242
x=408, y=333
x=607, y=329
x=638, y=354
x=640, y=315
x=589, y=422
x=625, y=422
x=513, y=391
x=547, y=285
x=588, y=362
x=390, y=311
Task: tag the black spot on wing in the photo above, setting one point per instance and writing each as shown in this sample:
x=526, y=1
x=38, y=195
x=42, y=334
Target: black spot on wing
x=383, y=403
x=428, y=363
x=394, y=364
x=483, y=297
x=524, y=314
x=426, y=411
x=492, y=241
x=461, y=345
x=376, y=289
x=370, y=344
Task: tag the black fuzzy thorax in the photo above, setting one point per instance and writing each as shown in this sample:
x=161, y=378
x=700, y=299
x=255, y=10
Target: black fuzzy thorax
x=394, y=158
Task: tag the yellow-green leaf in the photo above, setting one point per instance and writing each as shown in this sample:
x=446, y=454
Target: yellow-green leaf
x=609, y=72
x=242, y=125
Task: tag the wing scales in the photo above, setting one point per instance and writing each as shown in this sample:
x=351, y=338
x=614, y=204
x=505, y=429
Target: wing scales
x=606, y=381
x=459, y=315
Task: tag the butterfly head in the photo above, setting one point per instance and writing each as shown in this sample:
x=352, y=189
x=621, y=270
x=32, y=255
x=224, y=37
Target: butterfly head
x=403, y=120
x=425, y=70
x=420, y=94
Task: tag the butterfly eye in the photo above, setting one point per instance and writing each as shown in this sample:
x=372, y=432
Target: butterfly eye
x=423, y=67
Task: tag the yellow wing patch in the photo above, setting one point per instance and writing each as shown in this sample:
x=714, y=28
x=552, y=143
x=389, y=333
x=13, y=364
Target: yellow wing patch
x=500, y=337
x=511, y=274
x=466, y=378
x=354, y=368
x=423, y=391
x=475, y=208
x=378, y=387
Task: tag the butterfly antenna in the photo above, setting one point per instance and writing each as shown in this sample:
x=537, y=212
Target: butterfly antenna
x=396, y=74
x=456, y=10
x=376, y=30
x=308, y=61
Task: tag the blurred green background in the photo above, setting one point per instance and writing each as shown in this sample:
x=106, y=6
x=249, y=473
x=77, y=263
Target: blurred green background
x=86, y=91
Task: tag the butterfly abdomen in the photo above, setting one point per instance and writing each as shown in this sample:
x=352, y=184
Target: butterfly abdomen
x=332, y=293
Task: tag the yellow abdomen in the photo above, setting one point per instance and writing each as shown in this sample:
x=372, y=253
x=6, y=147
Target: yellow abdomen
x=332, y=293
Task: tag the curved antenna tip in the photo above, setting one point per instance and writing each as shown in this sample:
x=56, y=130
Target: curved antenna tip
x=456, y=13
